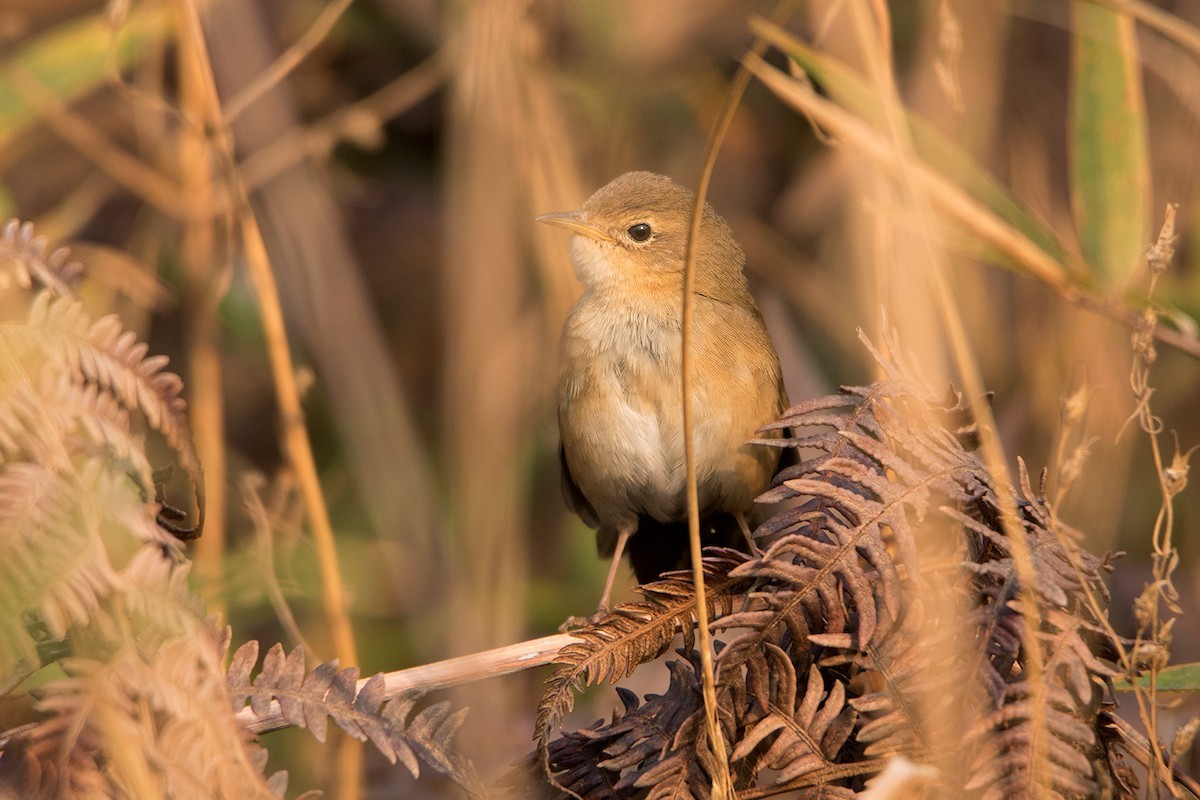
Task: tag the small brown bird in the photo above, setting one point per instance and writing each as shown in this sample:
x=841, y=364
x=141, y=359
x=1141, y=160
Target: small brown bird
x=619, y=393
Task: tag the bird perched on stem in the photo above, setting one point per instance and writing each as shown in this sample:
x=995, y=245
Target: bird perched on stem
x=619, y=393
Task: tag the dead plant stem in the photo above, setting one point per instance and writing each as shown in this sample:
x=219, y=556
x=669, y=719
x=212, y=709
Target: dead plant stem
x=203, y=276
x=722, y=782
x=949, y=198
x=1163, y=22
x=871, y=23
x=296, y=442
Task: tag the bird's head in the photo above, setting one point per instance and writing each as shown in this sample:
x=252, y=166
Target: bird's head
x=636, y=228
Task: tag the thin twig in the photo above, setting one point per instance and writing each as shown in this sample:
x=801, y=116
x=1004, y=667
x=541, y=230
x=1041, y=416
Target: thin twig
x=388, y=102
x=287, y=61
x=252, y=487
x=206, y=262
x=1163, y=556
x=1134, y=743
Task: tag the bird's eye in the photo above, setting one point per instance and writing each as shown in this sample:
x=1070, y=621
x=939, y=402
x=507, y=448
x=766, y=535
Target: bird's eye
x=640, y=232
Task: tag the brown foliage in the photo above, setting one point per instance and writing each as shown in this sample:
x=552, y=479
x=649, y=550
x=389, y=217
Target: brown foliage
x=93, y=582
x=882, y=617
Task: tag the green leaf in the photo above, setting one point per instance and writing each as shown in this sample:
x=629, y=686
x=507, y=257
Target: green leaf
x=1110, y=183
x=853, y=92
x=71, y=60
x=1178, y=678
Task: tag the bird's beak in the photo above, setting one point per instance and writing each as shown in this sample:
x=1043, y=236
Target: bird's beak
x=573, y=221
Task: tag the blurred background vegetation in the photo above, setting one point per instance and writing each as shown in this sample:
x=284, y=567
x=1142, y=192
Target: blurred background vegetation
x=395, y=159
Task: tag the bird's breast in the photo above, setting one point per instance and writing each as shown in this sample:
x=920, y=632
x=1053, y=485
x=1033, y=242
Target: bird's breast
x=619, y=397
x=620, y=415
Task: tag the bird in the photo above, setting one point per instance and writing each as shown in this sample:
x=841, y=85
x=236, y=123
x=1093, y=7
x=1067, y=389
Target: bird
x=620, y=378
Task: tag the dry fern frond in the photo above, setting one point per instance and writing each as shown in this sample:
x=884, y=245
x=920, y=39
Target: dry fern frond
x=308, y=699
x=143, y=709
x=76, y=487
x=632, y=634
x=883, y=617
x=142, y=725
x=52, y=557
x=104, y=355
x=807, y=728
x=26, y=260
x=625, y=756
x=88, y=578
x=92, y=576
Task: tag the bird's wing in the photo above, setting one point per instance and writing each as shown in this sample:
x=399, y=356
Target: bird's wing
x=606, y=535
x=574, y=497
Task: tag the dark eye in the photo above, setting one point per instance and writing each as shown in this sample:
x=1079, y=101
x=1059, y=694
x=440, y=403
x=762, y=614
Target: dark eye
x=640, y=232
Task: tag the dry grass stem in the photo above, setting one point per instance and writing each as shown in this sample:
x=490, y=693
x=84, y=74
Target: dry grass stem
x=295, y=435
x=873, y=29
x=722, y=782
x=296, y=441
x=953, y=201
x=206, y=270
x=1158, y=20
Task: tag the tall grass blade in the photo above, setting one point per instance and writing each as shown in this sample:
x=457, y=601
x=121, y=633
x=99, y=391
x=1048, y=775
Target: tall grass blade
x=1110, y=183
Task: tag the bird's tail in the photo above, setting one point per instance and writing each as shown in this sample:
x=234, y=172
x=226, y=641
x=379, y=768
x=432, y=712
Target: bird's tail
x=659, y=547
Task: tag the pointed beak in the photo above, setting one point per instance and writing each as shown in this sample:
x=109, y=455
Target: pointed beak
x=573, y=221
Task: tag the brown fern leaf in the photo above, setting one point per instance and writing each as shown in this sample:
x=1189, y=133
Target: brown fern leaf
x=52, y=557
x=431, y=735
x=684, y=771
x=638, y=750
x=140, y=724
x=28, y=261
x=578, y=760
x=1061, y=712
x=802, y=731
x=307, y=699
x=61, y=760
x=1005, y=766
x=633, y=634
x=105, y=355
x=920, y=687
